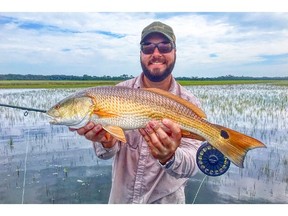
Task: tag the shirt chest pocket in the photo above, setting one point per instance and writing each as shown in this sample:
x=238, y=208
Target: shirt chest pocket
x=134, y=140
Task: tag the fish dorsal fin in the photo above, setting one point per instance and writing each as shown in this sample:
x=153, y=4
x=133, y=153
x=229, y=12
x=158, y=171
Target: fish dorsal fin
x=116, y=132
x=178, y=99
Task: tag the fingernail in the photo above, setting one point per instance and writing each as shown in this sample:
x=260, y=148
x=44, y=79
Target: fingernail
x=72, y=129
x=152, y=124
x=99, y=127
x=149, y=129
x=165, y=121
x=89, y=126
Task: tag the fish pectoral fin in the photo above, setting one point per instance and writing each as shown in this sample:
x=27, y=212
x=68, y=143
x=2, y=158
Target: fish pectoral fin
x=116, y=132
x=191, y=135
x=104, y=114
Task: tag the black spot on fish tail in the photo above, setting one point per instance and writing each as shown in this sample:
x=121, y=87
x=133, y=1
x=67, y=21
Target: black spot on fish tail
x=224, y=134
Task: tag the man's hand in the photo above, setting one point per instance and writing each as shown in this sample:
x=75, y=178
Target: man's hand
x=95, y=133
x=163, y=140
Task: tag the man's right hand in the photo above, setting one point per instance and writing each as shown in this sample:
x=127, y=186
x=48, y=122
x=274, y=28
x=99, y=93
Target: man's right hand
x=95, y=133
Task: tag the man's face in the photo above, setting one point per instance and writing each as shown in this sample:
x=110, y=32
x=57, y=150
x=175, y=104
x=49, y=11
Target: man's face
x=157, y=66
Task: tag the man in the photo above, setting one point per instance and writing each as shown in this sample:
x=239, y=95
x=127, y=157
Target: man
x=155, y=163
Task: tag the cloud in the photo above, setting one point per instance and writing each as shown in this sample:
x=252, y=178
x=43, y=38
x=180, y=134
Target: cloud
x=208, y=44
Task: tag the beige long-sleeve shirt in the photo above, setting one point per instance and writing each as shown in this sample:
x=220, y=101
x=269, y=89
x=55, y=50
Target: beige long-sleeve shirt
x=137, y=177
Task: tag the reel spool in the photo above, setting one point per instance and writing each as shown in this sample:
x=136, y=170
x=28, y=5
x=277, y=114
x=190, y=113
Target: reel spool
x=211, y=161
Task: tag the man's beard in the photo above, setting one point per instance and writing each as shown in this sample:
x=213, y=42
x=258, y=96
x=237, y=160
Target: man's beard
x=158, y=78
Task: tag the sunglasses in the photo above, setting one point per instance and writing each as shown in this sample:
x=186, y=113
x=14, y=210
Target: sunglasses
x=163, y=47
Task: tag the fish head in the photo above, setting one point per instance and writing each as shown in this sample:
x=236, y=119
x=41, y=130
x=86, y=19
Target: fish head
x=74, y=112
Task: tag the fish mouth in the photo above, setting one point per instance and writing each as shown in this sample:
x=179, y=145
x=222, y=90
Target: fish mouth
x=53, y=119
x=59, y=121
x=49, y=116
x=68, y=122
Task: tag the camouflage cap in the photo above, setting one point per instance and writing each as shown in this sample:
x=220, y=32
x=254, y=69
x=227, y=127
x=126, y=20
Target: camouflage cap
x=158, y=27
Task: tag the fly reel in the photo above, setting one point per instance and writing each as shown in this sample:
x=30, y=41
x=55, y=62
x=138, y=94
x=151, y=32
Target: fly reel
x=211, y=161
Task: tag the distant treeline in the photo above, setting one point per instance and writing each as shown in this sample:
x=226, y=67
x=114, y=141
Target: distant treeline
x=61, y=77
x=123, y=77
x=230, y=77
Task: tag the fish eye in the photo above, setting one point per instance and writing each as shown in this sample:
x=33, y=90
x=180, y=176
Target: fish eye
x=57, y=106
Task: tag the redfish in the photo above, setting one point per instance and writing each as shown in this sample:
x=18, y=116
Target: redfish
x=120, y=108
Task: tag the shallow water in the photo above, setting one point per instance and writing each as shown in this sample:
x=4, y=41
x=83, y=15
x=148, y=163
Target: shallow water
x=40, y=163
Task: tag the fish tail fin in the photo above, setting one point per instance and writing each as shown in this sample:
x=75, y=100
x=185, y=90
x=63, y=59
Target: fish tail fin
x=236, y=145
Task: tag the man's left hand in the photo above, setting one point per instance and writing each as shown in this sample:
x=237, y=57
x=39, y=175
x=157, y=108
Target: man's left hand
x=162, y=139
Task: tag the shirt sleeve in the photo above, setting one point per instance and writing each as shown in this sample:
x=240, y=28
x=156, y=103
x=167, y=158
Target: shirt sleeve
x=184, y=164
x=105, y=153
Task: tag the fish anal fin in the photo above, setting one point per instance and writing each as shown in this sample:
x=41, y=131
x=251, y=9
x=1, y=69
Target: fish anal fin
x=236, y=144
x=116, y=132
x=186, y=103
x=187, y=134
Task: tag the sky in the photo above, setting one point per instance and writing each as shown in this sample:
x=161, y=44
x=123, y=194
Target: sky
x=209, y=44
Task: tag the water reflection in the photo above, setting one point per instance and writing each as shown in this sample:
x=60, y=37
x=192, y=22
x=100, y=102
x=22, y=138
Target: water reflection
x=59, y=166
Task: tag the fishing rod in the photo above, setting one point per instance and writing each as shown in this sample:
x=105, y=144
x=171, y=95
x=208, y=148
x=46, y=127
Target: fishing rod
x=25, y=163
x=23, y=108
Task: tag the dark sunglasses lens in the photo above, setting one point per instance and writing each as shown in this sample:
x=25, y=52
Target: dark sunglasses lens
x=165, y=47
x=148, y=48
x=162, y=47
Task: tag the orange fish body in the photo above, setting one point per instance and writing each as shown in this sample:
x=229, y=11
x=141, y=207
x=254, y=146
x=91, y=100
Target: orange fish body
x=122, y=108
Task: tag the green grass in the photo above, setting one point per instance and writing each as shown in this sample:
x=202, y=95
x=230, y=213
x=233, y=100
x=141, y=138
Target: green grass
x=281, y=82
x=232, y=82
x=4, y=84
x=53, y=84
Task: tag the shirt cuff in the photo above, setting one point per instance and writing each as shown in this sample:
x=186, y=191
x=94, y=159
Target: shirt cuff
x=103, y=152
x=168, y=163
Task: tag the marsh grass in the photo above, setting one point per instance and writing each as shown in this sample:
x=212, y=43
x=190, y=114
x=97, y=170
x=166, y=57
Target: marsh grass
x=34, y=84
x=260, y=111
x=57, y=158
